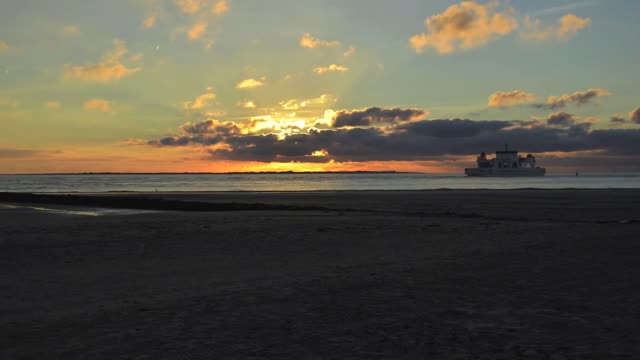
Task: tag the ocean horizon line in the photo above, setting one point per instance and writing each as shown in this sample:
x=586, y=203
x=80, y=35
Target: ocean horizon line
x=382, y=172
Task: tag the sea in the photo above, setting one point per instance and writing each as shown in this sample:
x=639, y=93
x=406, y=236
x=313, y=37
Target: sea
x=279, y=182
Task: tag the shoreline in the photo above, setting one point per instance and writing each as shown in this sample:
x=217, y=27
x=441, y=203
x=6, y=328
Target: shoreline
x=582, y=205
x=142, y=203
x=195, y=192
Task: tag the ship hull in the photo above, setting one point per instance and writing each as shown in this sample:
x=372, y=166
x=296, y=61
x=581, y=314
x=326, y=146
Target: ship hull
x=498, y=172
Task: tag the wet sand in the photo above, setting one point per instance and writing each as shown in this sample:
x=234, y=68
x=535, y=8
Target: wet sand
x=518, y=274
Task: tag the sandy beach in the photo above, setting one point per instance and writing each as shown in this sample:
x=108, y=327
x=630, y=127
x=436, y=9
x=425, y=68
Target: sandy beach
x=455, y=274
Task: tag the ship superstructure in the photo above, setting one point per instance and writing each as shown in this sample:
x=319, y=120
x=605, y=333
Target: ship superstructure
x=506, y=163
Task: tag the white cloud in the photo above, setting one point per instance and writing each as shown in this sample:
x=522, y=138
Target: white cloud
x=295, y=104
x=250, y=83
x=330, y=68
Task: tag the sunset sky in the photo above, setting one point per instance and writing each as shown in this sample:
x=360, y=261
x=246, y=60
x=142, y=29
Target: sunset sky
x=255, y=85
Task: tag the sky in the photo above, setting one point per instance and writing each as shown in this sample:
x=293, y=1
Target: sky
x=316, y=85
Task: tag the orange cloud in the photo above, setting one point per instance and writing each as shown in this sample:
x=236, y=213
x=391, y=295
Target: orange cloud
x=197, y=30
x=330, y=68
x=220, y=7
x=8, y=102
x=52, y=104
x=250, y=83
x=350, y=51
x=200, y=102
x=247, y=104
x=320, y=153
x=97, y=104
x=510, y=98
x=567, y=27
x=578, y=97
x=464, y=26
x=189, y=6
x=635, y=116
x=71, y=30
x=308, y=41
x=110, y=69
x=136, y=57
x=3, y=46
x=149, y=22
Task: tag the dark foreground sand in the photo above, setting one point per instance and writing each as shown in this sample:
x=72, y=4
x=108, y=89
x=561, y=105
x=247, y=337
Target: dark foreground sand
x=527, y=274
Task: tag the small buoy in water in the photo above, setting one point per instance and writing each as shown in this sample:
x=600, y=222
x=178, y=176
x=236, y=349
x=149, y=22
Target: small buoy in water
x=577, y=173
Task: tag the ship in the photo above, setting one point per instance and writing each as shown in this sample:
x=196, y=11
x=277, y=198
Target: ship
x=507, y=163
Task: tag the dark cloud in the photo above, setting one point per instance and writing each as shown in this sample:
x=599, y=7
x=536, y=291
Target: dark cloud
x=355, y=142
x=374, y=115
x=617, y=119
x=185, y=140
x=206, y=132
x=211, y=127
x=527, y=123
x=17, y=153
x=593, y=162
x=579, y=129
x=416, y=143
x=635, y=116
x=561, y=119
x=454, y=128
x=616, y=141
x=419, y=140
